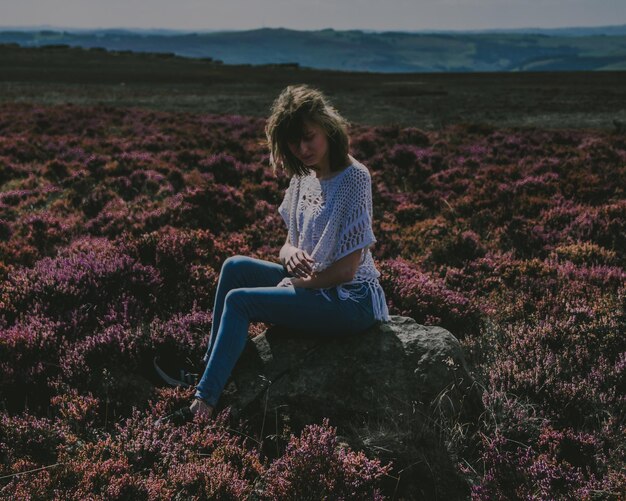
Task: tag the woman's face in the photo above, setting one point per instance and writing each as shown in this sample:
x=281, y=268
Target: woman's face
x=312, y=150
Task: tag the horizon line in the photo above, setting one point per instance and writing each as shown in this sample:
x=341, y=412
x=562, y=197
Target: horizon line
x=371, y=30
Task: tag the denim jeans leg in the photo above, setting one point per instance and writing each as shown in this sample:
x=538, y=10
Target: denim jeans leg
x=302, y=309
x=241, y=271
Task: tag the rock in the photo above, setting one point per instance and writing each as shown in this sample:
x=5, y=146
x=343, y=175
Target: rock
x=397, y=391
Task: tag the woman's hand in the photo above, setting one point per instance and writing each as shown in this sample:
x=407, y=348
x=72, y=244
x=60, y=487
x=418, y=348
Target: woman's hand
x=299, y=264
x=341, y=271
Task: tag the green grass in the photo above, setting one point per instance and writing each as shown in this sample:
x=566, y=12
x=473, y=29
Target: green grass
x=424, y=100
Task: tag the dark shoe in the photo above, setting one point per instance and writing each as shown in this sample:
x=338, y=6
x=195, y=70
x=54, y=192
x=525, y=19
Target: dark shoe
x=181, y=416
x=186, y=378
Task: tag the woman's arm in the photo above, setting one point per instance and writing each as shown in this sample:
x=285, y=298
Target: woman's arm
x=341, y=271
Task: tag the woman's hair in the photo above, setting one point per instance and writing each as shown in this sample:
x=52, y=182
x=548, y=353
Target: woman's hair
x=295, y=105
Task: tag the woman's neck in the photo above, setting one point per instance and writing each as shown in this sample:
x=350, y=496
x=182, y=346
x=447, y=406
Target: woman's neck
x=324, y=173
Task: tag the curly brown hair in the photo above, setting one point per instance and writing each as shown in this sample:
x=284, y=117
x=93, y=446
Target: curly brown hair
x=295, y=105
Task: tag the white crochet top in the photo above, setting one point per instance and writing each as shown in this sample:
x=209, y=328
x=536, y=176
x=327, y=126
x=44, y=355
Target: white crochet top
x=332, y=218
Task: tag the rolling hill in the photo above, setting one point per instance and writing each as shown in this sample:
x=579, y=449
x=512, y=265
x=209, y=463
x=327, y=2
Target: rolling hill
x=580, y=49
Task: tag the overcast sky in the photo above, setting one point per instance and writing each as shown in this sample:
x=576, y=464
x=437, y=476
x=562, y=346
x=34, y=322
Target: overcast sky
x=313, y=14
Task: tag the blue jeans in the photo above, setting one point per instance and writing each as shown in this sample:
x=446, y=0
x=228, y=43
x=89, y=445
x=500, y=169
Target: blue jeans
x=247, y=292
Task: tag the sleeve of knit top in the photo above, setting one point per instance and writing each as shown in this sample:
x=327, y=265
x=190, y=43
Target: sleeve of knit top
x=353, y=216
x=285, y=208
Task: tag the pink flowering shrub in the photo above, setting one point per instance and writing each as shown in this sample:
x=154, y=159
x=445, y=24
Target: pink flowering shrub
x=114, y=225
x=27, y=438
x=76, y=411
x=69, y=285
x=139, y=459
x=314, y=466
x=560, y=464
x=185, y=260
x=28, y=352
x=427, y=299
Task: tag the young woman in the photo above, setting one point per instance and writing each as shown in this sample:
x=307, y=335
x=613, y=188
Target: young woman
x=327, y=284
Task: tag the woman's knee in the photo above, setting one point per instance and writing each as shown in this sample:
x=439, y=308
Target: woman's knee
x=236, y=298
x=235, y=262
x=244, y=271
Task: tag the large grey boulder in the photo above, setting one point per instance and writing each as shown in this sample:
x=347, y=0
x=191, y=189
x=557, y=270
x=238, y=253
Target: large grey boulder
x=400, y=391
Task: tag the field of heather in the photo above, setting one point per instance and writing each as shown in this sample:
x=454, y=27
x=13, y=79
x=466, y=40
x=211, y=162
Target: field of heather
x=114, y=224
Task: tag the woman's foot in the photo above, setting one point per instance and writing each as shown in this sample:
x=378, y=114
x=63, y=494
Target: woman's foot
x=201, y=407
x=179, y=417
x=186, y=414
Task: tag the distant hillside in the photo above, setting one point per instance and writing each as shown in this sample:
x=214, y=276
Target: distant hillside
x=562, y=49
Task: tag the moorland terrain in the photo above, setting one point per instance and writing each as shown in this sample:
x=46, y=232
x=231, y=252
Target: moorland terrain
x=429, y=101
x=126, y=180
